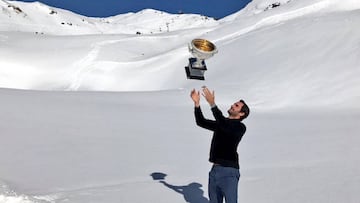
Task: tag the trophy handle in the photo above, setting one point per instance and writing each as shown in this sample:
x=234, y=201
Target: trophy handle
x=190, y=48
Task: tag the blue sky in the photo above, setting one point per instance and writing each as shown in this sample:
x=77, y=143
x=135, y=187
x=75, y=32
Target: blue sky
x=104, y=8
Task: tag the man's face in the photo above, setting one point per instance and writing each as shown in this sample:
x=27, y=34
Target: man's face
x=235, y=109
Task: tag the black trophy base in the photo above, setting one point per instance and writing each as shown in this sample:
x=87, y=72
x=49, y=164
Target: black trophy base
x=196, y=73
x=191, y=75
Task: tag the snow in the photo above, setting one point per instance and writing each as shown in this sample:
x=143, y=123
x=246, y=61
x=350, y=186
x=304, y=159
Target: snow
x=90, y=110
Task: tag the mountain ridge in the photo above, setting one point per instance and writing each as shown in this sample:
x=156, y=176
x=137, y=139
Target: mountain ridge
x=37, y=17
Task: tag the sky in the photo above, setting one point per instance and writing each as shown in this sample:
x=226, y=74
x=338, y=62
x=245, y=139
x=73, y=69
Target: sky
x=105, y=8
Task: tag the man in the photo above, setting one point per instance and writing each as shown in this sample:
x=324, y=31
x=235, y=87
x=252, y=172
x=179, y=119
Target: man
x=224, y=175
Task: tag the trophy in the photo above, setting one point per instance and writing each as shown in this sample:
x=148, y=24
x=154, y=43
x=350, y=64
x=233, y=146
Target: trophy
x=201, y=49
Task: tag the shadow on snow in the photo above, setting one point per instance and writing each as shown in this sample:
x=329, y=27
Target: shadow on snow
x=192, y=192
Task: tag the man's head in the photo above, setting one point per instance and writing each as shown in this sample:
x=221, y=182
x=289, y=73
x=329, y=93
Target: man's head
x=239, y=110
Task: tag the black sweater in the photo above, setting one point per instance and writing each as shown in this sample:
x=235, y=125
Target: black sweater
x=226, y=137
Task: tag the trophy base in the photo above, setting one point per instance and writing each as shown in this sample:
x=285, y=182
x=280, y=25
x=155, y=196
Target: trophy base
x=195, y=72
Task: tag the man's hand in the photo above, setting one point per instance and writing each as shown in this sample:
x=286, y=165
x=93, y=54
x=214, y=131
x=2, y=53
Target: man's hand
x=195, y=96
x=209, y=96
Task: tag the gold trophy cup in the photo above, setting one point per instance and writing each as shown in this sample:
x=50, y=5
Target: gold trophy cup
x=201, y=49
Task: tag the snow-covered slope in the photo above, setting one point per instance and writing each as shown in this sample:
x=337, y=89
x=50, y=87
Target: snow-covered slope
x=292, y=8
x=286, y=54
x=42, y=19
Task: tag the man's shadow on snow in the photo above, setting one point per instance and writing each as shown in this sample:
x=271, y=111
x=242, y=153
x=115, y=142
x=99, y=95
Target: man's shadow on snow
x=192, y=193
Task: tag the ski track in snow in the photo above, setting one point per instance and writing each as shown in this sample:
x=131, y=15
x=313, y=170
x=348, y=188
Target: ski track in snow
x=86, y=64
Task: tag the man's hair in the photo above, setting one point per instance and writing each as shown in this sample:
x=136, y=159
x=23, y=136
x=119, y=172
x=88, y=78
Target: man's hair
x=244, y=109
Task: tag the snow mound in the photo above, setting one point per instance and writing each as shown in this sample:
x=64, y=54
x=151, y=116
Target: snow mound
x=9, y=196
x=265, y=8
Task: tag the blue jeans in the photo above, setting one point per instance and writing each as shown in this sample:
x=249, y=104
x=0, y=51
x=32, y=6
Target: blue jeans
x=223, y=183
